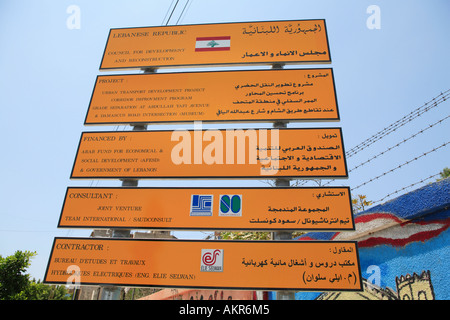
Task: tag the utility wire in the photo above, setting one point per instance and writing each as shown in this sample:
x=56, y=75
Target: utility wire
x=173, y=10
x=182, y=12
x=168, y=10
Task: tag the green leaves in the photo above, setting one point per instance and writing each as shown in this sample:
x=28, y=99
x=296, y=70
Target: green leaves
x=13, y=279
x=15, y=284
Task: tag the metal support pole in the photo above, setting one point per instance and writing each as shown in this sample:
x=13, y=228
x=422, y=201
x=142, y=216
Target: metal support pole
x=283, y=235
x=125, y=233
x=113, y=292
x=282, y=182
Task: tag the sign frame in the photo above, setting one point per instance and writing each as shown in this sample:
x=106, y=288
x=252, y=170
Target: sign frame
x=195, y=118
x=210, y=244
x=216, y=64
x=227, y=190
x=74, y=175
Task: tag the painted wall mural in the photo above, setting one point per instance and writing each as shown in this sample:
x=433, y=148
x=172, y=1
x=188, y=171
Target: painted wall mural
x=409, y=287
x=403, y=247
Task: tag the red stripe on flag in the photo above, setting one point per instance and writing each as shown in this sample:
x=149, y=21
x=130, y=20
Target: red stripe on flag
x=213, y=38
x=213, y=49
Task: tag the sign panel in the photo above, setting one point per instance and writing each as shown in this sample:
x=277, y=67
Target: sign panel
x=256, y=265
x=263, y=95
x=251, y=153
x=300, y=41
x=208, y=208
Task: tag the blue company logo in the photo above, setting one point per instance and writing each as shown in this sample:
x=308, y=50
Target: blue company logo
x=230, y=205
x=201, y=205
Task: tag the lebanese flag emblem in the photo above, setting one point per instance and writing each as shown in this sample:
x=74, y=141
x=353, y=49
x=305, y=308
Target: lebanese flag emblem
x=212, y=44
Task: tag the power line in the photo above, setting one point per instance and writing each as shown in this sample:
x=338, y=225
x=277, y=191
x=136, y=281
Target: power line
x=173, y=10
x=168, y=10
x=182, y=12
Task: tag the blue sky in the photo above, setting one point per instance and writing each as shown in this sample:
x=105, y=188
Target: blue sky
x=48, y=72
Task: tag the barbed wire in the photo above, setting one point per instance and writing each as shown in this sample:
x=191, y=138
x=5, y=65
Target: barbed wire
x=400, y=143
x=399, y=123
x=409, y=186
x=401, y=165
x=394, y=126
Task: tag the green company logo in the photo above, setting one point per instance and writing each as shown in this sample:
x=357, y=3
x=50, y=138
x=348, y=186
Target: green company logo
x=230, y=205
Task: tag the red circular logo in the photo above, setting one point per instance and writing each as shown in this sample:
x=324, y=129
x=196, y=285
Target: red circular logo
x=209, y=258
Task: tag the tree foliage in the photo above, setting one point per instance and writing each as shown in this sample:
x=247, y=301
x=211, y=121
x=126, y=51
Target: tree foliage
x=360, y=203
x=245, y=235
x=15, y=284
x=251, y=235
x=445, y=173
x=13, y=279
